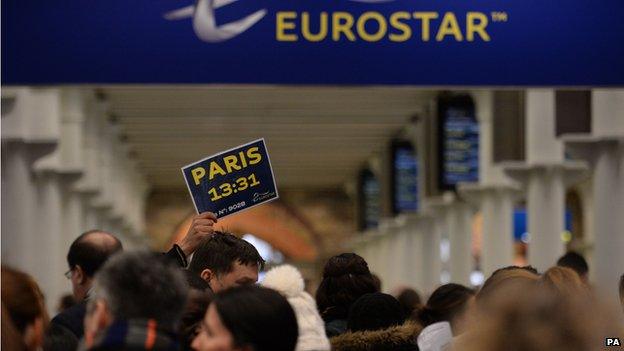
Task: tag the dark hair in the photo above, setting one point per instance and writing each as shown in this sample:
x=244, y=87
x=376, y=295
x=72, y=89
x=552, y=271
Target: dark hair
x=258, y=317
x=66, y=301
x=196, y=282
x=375, y=311
x=410, y=301
x=377, y=282
x=22, y=298
x=445, y=303
x=10, y=339
x=194, y=312
x=346, y=277
x=219, y=252
x=622, y=287
x=59, y=338
x=142, y=285
x=90, y=255
x=575, y=261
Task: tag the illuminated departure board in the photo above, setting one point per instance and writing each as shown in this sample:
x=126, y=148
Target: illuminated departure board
x=405, y=177
x=459, y=141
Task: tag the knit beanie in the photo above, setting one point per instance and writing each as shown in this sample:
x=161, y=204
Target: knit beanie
x=375, y=311
x=288, y=281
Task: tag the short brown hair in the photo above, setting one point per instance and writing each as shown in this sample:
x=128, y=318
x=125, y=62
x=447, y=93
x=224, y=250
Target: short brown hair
x=22, y=298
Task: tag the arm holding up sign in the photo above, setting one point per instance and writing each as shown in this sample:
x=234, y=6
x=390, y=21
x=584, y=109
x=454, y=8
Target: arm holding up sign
x=201, y=227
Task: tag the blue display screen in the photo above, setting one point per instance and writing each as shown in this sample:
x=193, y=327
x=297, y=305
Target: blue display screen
x=405, y=179
x=459, y=143
x=370, y=206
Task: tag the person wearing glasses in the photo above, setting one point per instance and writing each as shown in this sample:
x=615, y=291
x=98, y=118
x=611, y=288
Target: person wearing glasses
x=88, y=253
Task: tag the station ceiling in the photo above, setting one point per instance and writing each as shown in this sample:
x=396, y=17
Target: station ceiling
x=316, y=136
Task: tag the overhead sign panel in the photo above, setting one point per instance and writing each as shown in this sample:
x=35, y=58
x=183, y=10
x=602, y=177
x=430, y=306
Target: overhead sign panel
x=232, y=180
x=415, y=42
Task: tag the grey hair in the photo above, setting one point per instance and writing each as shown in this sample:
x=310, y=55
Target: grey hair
x=142, y=285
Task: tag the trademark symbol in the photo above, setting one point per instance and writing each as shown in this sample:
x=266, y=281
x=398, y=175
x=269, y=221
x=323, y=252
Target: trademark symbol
x=498, y=16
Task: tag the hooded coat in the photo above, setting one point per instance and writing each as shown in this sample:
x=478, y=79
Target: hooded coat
x=395, y=338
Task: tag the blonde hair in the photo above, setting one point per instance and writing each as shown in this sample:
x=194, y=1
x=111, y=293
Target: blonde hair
x=503, y=281
x=540, y=318
x=563, y=280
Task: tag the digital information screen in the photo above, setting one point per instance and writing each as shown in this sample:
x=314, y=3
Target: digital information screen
x=459, y=142
x=370, y=205
x=405, y=177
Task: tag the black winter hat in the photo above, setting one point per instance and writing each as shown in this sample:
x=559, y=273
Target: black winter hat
x=375, y=311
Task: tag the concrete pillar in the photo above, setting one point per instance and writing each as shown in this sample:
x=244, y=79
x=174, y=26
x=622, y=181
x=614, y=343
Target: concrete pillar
x=30, y=226
x=48, y=252
x=403, y=254
x=415, y=227
x=18, y=204
x=431, y=235
x=604, y=149
x=460, y=238
x=545, y=175
x=494, y=195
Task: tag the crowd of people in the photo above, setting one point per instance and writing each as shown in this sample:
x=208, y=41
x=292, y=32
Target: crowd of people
x=203, y=295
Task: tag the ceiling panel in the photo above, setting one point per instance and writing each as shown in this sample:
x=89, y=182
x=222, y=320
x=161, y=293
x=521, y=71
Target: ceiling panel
x=316, y=136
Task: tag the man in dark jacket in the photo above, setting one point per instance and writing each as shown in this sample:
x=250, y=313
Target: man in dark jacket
x=138, y=303
x=92, y=249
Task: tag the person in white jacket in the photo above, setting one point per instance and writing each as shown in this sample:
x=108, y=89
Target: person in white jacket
x=287, y=280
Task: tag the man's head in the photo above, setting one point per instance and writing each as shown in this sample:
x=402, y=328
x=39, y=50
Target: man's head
x=86, y=255
x=225, y=261
x=136, y=285
x=576, y=262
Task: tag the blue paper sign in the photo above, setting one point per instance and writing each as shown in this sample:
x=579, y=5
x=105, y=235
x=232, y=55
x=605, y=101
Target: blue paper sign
x=362, y=42
x=232, y=180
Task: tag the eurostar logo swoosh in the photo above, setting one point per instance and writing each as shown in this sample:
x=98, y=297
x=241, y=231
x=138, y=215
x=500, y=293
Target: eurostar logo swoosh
x=205, y=24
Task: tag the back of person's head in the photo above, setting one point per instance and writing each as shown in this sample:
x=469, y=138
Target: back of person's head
x=564, y=281
x=219, y=253
x=410, y=300
x=91, y=250
x=11, y=339
x=195, y=282
x=190, y=323
x=538, y=318
x=258, y=317
x=66, y=301
x=375, y=311
x=23, y=301
x=288, y=281
x=576, y=262
x=142, y=285
x=505, y=280
x=447, y=303
x=377, y=281
x=346, y=277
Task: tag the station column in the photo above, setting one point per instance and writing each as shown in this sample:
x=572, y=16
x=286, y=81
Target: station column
x=604, y=150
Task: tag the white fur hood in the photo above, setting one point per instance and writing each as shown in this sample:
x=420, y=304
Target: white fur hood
x=288, y=281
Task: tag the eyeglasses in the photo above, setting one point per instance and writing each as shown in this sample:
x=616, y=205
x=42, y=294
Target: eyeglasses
x=68, y=274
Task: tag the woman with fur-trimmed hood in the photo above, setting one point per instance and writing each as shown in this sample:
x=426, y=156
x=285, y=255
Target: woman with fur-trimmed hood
x=377, y=323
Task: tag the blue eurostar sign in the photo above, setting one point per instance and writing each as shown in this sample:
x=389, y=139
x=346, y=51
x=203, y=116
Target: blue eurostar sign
x=344, y=42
